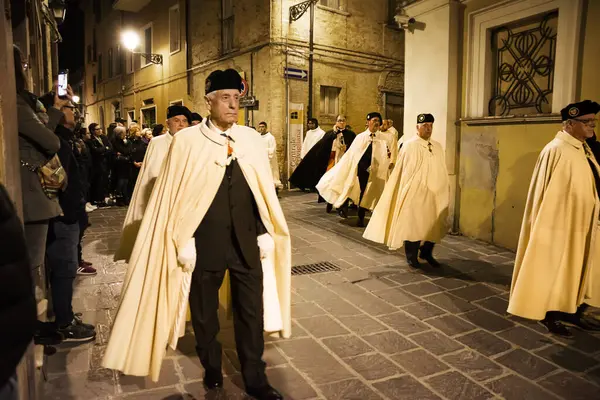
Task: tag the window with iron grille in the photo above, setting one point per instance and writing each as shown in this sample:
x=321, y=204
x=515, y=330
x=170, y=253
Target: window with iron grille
x=119, y=61
x=524, y=60
x=330, y=100
x=227, y=24
x=89, y=53
x=94, y=84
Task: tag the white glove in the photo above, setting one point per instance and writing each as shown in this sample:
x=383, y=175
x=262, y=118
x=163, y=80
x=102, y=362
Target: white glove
x=266, y=244
x=187, y=255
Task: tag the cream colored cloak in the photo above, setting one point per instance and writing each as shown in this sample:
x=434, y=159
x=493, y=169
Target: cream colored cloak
x=184, y=190
x=341, y=181
x=311, y=138
x=558, y=235
x=153, y=161
x=414, y=204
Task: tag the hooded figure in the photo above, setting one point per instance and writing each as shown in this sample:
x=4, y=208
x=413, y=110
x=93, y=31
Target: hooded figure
x=361, y=173
x=557, y=266
x=214, y=209
x=413, y=208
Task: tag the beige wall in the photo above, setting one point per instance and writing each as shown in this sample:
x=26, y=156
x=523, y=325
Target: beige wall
x=496, y=161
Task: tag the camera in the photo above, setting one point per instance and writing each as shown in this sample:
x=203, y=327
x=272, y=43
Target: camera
x=404, y=21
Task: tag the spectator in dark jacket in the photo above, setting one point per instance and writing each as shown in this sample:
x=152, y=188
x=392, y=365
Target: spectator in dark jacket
x=63, y=238
x=101, y=154
x=122, y=149
x=37, y=145
x=138, y=151
x=17, y=300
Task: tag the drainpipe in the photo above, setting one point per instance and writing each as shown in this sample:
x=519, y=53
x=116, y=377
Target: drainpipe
x=188, y=48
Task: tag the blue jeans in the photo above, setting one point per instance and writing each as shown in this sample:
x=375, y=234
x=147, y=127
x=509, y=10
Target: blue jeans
x=62, y=263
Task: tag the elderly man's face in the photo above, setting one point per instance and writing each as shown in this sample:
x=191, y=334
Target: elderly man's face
x=177, y=123
x=224, y=106
x=374, y=124
x=262, y=129
x=425, y=129
x=340, y=123
x=582, y=127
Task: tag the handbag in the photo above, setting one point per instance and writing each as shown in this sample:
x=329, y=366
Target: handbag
x=52, y=176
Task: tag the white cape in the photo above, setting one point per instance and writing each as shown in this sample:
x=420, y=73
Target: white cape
x=153, y=161
x=152, y=292
x=341, y=181
x=311, y=138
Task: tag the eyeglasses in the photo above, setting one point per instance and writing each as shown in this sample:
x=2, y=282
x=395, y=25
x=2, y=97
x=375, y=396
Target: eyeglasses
x=588, y=122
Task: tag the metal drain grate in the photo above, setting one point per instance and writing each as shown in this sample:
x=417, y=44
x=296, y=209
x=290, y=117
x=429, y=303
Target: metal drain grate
x=315, y=268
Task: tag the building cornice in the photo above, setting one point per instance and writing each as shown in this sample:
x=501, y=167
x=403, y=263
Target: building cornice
x=426, y=6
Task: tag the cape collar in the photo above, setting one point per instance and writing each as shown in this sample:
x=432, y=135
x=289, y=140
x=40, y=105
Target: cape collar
x=423, y=142
x=564, y=136
x=213, y=133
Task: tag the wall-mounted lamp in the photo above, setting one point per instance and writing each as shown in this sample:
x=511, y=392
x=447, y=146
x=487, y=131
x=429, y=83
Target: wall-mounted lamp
x=131, y=40
x=59, y=10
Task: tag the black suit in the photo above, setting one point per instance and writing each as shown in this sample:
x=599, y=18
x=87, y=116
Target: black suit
x=226, y=240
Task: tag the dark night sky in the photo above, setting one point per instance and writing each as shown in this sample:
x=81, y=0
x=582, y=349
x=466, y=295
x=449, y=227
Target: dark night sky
x=71, y=51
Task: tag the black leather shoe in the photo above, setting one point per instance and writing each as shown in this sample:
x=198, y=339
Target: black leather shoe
x=556, y=327
x=213, y=380
x=581, y=322
x=431, y=261
x=413, y=262
x=343, y=212
x=329, y=208
x=264, y=393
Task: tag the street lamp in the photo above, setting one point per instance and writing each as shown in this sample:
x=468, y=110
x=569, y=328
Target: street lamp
x=131, y=40
x=296, y=12
x=59, y=10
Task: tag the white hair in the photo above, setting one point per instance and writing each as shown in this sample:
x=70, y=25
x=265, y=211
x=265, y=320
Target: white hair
x=119, y=129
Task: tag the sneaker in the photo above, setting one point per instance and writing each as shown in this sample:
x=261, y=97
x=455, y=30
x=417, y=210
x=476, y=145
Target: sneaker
x=84, y=263
x=86, y=270
x=75, y=332
x=78, y=321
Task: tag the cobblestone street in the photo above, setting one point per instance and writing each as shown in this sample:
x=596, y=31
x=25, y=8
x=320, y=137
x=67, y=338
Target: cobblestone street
x=373, y=330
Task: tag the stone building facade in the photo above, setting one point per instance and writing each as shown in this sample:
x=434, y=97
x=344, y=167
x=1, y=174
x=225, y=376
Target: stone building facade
x=358, y=60
x=492, y=131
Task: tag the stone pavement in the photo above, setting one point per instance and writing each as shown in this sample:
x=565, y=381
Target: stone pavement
x=373, y=330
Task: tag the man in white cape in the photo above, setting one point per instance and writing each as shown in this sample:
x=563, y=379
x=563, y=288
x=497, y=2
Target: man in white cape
x=391, y=135
x=414, y=206
x=556, y=266
x=361, y=173
x=214, y=196
x=313, y=135
x=178, y=118
x=271, y=146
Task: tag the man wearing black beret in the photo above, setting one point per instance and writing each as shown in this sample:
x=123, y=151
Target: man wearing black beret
x=557, y=266
x=213, y=210
x=196, y=119
x=361, y=173
x=413, y=209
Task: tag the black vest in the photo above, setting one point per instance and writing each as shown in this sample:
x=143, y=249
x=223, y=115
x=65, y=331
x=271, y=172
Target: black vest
x=231, y=220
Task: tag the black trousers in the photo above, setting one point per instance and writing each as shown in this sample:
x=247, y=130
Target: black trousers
x=363, y=180
x=246, y=292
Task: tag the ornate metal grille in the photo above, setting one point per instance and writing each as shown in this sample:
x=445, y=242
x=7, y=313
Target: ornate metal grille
x=315, y=268
x=525, y=55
